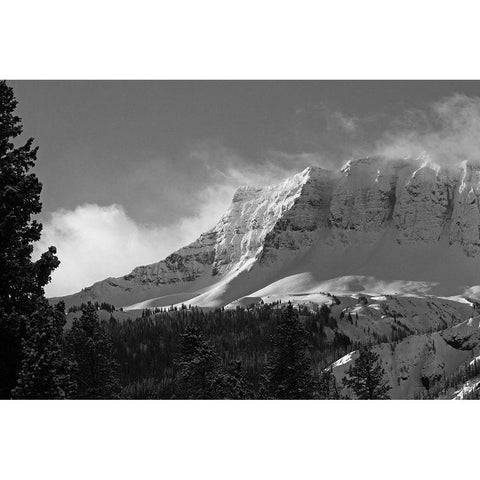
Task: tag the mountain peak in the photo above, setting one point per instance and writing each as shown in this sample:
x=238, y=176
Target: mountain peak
x=376, y=217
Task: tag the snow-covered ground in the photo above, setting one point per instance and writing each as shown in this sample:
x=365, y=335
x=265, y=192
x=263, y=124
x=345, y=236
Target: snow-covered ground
x=468, y=387
x=377, y=226
x=403, y=233
x=420, y=361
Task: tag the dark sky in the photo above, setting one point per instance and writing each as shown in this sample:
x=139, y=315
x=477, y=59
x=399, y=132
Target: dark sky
x=160, y=160
x=96, y=136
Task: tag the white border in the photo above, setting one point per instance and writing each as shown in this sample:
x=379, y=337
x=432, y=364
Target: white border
x=251, y=39
x=238, y=440
x=238, y=40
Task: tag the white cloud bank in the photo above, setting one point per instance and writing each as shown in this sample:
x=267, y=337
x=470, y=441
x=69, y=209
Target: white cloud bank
x=95, y=242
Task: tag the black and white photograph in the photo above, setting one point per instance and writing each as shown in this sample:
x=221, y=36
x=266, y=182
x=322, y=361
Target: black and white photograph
x=240, y=240
x=216, y=258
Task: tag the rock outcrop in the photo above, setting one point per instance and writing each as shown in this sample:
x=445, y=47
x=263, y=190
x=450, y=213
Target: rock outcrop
x=366, y=202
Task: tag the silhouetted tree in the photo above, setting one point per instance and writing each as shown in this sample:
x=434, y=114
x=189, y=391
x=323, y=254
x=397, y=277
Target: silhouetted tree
x=230, y=383
x=148, y=348
x=288, y=373
x=327, y=386
x=366, y=376
x=324, y=313
x=198, y=366
x=45, y=372
x=201, y=374
x=90, y=348
x=21, y=279
x=144, y=389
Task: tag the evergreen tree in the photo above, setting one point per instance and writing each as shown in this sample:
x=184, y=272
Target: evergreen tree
x=45, y=372
x=327, y=386
x=21, y=280
x=90, y=348
x=198, y=367
x=324, y=314
x=201, y=374
x=144, y=389
x=365, y=376
x=288, y=374
x=230, y=383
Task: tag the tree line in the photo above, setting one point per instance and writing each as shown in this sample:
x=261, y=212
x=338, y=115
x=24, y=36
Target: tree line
x=267, y=352
x=201, y=365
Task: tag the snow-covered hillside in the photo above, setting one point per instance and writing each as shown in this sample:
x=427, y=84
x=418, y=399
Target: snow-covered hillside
x=391, y=246
x=420, y=362
x=376, y=226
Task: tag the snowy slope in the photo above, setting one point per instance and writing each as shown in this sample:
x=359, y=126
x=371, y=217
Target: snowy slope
x=421, y=361
x=377, y=226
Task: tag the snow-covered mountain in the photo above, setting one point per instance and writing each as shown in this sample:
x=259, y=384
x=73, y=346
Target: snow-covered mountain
x=377, y=226
x=421, y=362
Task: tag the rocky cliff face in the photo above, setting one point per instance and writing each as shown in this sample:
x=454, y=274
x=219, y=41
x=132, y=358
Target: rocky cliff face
x=369, y=199
x=465, y=218
x=364, y=199
x=185, y=265
x=259, y=216
x=415, y=203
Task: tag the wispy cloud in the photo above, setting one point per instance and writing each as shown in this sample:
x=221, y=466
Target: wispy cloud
x=334, y=134
x=448, y=131
x=95, y=242
x=346, y=122
x=227, y=168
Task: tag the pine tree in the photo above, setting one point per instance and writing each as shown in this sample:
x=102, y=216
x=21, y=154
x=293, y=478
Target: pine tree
x=327, y=386
x=21, y=280
x=201, y=374
x=198, y=367
x=366, y=376
x=288, y=374
x=324, y=313
x=90, y=348
x=45, y=372
x=230, y=383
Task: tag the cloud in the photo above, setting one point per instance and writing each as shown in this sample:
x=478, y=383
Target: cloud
x=95, y=242
x=346, y=122
x=447, y=132
x=165, y=188
x=225, y=167
x=291, y=163
x=325, y=116
x=182, y=199
x=334, y=134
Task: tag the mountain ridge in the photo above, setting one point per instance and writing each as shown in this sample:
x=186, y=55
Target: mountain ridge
x=374, y=218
